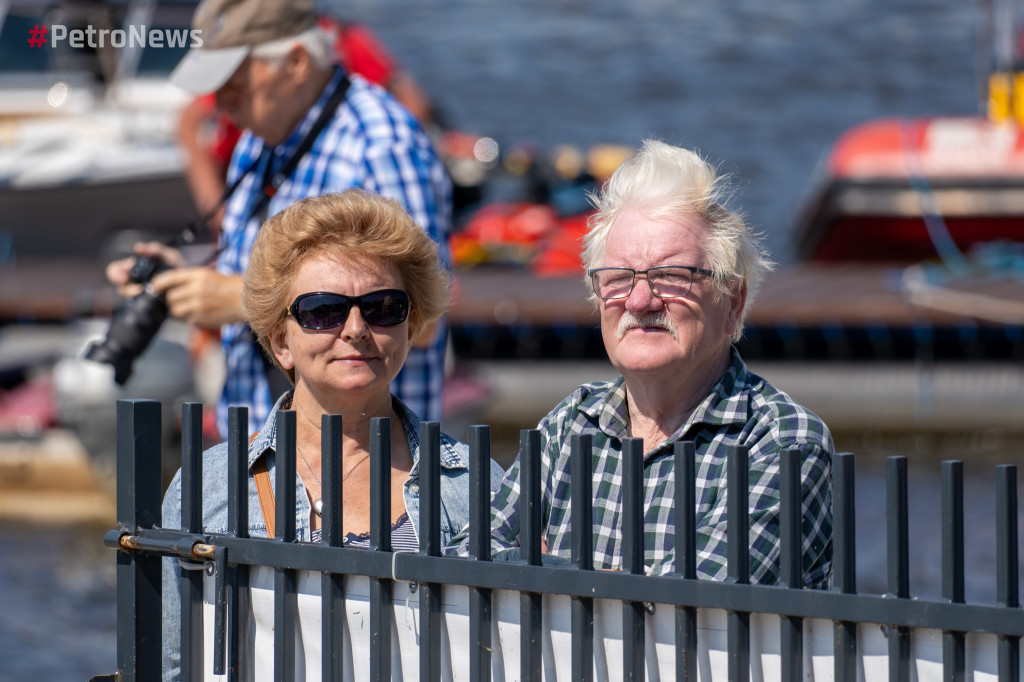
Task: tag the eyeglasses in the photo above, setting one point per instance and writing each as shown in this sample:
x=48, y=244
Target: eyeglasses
x=666, y=281
x=324, y=310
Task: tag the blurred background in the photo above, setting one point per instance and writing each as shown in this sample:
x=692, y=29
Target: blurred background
x=876, y=144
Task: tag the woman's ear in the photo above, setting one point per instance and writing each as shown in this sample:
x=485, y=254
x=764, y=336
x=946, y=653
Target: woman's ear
x=425, y=336
x=279, y=344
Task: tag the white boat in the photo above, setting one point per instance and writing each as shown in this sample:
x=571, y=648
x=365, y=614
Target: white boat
x=87, y=146
x=89, y=163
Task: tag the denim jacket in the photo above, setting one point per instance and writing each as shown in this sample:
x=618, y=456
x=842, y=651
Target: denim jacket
x=454, y=505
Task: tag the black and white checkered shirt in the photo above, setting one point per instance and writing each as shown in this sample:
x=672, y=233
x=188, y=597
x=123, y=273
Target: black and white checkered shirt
x=742, y=410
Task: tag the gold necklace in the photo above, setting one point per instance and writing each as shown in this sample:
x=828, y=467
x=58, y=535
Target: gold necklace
x=318, y=503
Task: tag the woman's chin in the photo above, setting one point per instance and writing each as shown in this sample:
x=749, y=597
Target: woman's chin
x=350, y=385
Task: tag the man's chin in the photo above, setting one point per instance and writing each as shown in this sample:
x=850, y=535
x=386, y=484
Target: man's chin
x=644, y=359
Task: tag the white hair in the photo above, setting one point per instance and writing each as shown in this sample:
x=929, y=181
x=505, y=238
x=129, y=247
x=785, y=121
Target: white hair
x=662, y=181
x=315, y=41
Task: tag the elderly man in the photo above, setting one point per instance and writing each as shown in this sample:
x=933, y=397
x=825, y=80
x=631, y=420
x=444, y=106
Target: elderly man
x=673, y=273
x=309, y=129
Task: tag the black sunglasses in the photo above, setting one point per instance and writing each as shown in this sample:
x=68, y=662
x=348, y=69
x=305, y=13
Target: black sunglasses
x=324, y=310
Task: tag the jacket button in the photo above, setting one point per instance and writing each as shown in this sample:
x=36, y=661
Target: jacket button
x=414, y=488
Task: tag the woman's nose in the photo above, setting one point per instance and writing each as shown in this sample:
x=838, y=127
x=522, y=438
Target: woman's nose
x=355, y=326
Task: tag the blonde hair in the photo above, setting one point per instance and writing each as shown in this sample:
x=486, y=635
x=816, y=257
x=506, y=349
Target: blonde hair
x=662, y=181
x=359, y=225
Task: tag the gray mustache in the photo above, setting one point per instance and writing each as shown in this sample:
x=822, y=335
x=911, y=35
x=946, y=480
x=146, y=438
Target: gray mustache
x=657, y=320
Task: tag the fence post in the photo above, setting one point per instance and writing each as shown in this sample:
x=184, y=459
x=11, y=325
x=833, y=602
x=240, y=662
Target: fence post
x=791, y=558
x=191, y=585
x=686, y=557
x=332, y=585
x=380, y=540
x=1007, y=570
x=954, y=660
x=581, y=505
x=480, y=550
x=238, y=526
x=430, y=545
x=845, y=562
x=139, y=581
x=898, y=561
x=530, y=603
x=738, y=551
x=285, y=582
x=633, y=556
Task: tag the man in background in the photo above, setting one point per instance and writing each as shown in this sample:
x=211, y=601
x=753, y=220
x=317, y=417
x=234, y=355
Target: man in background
x=308, y=128
x=208, y=136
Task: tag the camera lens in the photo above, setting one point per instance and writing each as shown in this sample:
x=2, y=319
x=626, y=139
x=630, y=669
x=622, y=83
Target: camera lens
x=130, y=333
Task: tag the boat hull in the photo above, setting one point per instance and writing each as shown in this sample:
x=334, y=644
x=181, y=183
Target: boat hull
x=897, y=191
x=82, y=219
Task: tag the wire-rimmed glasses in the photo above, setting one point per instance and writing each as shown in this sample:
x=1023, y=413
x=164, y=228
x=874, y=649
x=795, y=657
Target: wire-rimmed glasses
x=666, y=281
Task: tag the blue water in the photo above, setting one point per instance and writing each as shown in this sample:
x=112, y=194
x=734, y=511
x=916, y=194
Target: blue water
x=57, y=587
x=761, y=88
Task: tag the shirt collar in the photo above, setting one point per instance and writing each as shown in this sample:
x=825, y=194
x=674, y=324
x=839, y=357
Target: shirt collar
x=450, y=456
x=608, y=409
x=266, y=438
x=285, y=149
x=726, y=403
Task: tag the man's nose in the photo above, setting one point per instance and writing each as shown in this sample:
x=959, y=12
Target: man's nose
x=642, y=297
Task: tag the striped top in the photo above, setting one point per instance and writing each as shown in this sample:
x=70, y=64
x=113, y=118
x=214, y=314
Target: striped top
x=403, y=536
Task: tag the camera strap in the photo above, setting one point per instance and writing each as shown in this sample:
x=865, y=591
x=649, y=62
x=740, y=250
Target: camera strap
x=276, y=379
x=272, y=181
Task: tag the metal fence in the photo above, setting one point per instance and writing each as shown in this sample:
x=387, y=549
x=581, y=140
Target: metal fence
x=851, y=619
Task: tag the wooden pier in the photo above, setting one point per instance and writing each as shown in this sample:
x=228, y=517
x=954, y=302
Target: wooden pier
x=55, y=289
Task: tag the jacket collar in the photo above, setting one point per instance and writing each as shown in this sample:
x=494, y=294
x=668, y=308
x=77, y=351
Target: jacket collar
x=266, y=439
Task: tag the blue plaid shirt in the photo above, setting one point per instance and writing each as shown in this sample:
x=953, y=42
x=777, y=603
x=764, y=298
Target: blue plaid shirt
x=372, y=143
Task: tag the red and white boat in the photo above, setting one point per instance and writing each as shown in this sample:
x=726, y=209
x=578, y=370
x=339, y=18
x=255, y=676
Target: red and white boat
x=910, y=190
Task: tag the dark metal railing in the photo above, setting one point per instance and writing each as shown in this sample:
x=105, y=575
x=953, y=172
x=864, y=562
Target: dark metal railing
x=141, y=544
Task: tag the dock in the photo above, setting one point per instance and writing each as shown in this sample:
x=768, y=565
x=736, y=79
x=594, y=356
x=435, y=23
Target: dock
x=54, y=289
x=803, y=294
x=855, y=343
x=847, y=312
x=48, y=478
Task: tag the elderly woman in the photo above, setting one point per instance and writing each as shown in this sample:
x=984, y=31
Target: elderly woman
x=337, y=291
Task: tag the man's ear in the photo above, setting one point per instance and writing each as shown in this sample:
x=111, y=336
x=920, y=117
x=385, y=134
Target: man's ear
x=737, y=302
x=278, y=343
x=297, y=62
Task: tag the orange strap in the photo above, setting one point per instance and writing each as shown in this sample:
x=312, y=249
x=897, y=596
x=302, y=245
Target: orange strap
x=266, y=492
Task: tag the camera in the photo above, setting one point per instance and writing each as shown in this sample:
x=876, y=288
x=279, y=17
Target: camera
x=134, y=326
